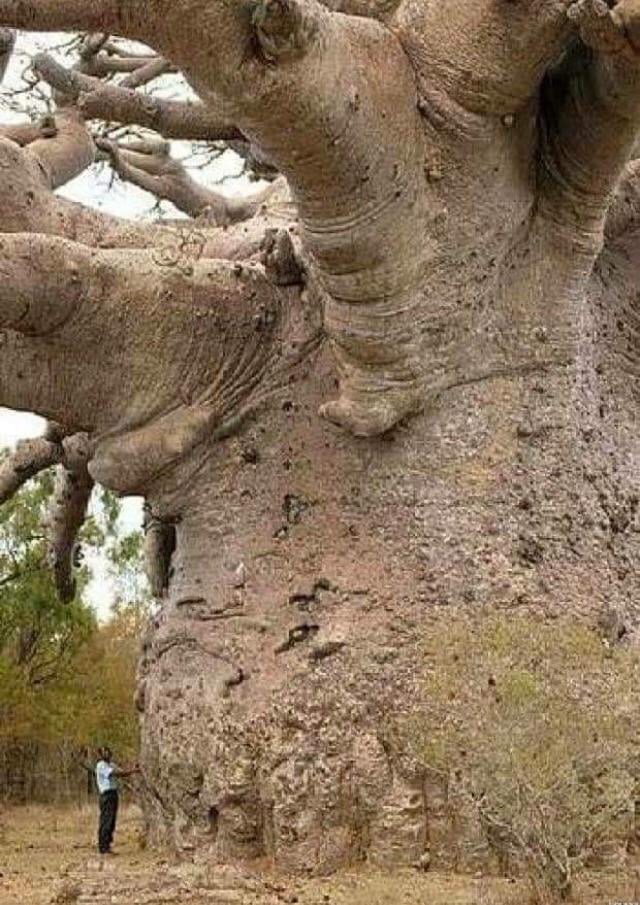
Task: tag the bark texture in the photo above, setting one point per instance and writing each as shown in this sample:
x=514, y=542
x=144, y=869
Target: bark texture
x=449, y=277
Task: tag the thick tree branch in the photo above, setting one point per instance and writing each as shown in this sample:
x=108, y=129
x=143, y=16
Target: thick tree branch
x=180, y=344
x=55, y=151
x=7, y=43
x=29, y=459
x=486, y=56
x=117, y=16
x=591, y=115
x=130, y=18
x=172, y=119
x=30, y=206
x=307, y=87
x=42, y=281
x=96, y=229
x=72, y=492
x=150, y=166
x=68, y=153
x=316, y=101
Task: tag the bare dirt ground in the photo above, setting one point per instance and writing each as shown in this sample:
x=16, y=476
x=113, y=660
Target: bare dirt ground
x=48, y=856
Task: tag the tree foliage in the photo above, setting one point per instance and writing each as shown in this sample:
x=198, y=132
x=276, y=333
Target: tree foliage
x=536, y=723
x=66, y=679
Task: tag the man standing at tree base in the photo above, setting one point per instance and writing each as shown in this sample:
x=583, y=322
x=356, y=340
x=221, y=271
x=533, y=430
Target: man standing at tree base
x=107, y=774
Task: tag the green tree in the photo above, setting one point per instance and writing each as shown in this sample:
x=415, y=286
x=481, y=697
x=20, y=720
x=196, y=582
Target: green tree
x=39, y=635
x=66, y=680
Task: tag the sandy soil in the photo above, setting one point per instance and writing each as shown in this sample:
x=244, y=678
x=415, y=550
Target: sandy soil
x=48, y=856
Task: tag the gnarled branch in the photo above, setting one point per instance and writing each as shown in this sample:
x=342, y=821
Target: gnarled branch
x=311, y=99
x=29, y=459
x=172, y=119
x=150, y=166
x=180, y=344
x=30, y=206
x=591, y=115
x=72, y=492
x=66, y=154
x=7, y=43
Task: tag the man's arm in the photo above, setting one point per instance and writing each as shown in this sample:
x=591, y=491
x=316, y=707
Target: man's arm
x=123, y=774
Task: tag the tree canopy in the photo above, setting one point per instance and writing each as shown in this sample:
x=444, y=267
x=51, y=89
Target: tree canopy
x=66, y=680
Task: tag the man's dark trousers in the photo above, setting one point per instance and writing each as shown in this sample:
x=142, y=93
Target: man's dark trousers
x=108, y=815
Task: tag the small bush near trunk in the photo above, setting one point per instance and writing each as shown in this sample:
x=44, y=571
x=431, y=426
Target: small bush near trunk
x=537, y=722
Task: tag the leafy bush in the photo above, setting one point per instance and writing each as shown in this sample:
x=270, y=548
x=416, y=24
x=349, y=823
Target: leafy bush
x=537, y=720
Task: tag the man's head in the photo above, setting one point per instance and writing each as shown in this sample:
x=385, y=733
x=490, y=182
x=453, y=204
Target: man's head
x=105, y=754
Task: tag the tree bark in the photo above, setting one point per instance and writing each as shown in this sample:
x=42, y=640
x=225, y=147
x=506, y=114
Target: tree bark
x=271, y=700
x=452, y=166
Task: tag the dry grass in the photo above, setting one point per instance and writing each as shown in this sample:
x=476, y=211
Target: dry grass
x=409, y=888
x=534, y=724
x=39, y=845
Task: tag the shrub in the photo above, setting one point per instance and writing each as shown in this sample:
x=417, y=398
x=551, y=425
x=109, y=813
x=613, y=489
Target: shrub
x=537, y=720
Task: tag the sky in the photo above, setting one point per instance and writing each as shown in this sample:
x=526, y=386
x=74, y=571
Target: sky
x=17, y=425
x=96, y=188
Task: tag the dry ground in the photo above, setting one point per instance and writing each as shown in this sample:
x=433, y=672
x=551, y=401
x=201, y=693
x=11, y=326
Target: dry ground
x=48, y=855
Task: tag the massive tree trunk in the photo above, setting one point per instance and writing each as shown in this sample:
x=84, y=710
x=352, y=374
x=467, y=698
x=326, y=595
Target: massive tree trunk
x=460, y=270
x=293, y=635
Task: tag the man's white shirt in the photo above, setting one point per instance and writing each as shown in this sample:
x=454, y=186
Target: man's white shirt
x=105, y=777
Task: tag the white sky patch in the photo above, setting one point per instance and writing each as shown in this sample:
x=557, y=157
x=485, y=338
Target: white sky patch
x=102, y=590
x=16, y=426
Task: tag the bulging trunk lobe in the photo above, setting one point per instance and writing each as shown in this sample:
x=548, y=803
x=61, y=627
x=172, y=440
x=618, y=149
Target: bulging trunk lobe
x=290, y=646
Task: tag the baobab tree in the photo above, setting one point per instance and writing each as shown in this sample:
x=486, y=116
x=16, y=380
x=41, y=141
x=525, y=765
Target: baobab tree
x=402, y=378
